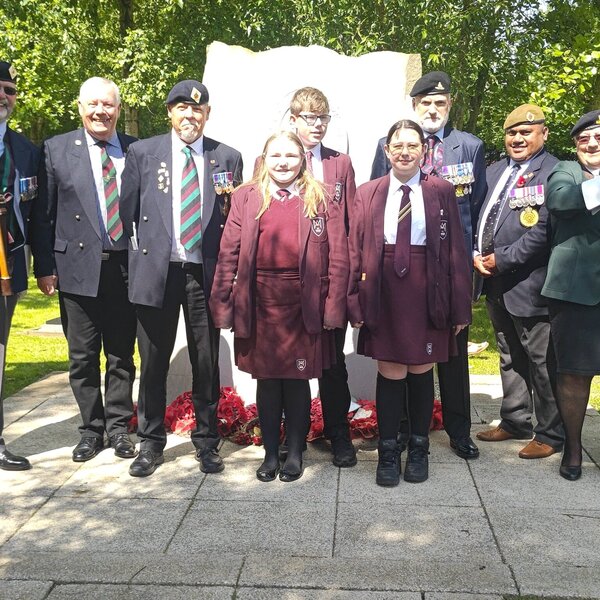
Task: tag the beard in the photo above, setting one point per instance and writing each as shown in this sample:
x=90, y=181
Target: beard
x=430, y=126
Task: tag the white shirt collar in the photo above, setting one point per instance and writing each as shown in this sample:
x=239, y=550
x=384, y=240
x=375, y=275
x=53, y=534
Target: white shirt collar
x=316, y=151
x=3, y=127
x=178, y=144
x=92, y=141
x=415, y=180
x=291, y=188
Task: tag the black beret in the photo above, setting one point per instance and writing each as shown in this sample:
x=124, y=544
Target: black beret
x=436, y=82
x=189, y=91
x=7, y=72
x=589, y=120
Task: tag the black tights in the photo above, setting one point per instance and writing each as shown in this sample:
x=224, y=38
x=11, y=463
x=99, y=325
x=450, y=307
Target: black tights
x=273, y=396
x=572, y=395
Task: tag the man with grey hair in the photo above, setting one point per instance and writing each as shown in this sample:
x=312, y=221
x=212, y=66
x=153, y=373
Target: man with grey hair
x=79, y=249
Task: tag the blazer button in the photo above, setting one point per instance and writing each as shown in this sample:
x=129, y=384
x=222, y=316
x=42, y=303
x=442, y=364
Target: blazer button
x=144, y=251
x=145, y=218
x=81, y=244
x=77, y=218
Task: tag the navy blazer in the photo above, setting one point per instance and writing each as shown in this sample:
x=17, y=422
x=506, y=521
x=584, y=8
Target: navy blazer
x=521, y=252
x=26, y=157
x=448, y=265
x=322, y=264
x=459, y=147
x=149, y=209
x=66, y=237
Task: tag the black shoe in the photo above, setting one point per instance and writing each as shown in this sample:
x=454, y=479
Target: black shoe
x=464, y=447
x=283, y=449
x=570, y=473
x=146, y=462
x=289, y=474
x=388, y=465
x=11, y=462
x=209, y=459
x=417, y=464
x=124, y=447
x=87, y=448
x=267, y=472
x=344, y=454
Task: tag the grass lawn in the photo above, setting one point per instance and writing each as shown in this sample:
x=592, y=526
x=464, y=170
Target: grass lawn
x=32, y=356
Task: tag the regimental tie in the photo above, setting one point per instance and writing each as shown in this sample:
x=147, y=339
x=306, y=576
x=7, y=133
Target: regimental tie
x=114, y=226
x=487, y=235
x=191, y=204
x=309, y=164
x=402, y=250
x=434, y=155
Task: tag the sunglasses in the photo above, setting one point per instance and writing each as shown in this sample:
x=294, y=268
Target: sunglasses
x=9, y=91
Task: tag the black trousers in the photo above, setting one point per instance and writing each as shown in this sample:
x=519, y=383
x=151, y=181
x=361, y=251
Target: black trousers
x=7, y=310
x=528, y=373
x=455, y=390
x=334, y=392
x=157, y=329
x=105, y=322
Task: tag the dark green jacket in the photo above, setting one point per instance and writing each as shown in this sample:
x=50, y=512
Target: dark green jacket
x=574, y=267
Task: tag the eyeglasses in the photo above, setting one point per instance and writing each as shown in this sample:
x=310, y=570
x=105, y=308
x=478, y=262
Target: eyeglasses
x=9, y=91
x=312, y=119
x=584, y=140
x=413, y=148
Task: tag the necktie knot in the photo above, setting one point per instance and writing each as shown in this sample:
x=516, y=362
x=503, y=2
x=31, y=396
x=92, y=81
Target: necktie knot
x=187, y=151
x=283, y=194
x=406, y=189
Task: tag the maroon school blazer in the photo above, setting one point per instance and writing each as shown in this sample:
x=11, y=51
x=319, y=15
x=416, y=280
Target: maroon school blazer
x=448, y=267
x=322, y=262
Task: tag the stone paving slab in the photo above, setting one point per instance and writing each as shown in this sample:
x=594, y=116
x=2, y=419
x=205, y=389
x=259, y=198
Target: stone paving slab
x=409, y=574
x=558, y=580
x=14, y=514
x=138, y=592
x=291, y=594
x=24, y=590
x=290, y=528
x=104, y=525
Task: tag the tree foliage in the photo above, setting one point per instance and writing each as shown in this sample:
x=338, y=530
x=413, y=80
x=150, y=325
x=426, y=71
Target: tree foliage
x=498, y=54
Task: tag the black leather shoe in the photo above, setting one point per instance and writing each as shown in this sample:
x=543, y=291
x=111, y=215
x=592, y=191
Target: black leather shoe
x=266, y=472
x=146, y=462
x=344, y=454
x=417, y=464
x=209, y=459
x=87, y=448
x=464, y=447
x=288, y=475
x=388, y=465
x=11, y=462
x=570, y=473
x=124, y=447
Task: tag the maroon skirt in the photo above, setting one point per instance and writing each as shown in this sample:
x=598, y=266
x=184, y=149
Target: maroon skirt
x=404, y=333
x=280, y=347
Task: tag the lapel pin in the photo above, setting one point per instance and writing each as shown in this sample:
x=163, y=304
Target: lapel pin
x=78, y=142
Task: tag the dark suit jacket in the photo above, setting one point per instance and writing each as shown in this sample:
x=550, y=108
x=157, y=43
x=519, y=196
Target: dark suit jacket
x=322, y=262
x=66, y=236
x=26, y=157
x=574, y=267
x=448, y=266
x=521, y=252
x=150, y=209
x=459, y=147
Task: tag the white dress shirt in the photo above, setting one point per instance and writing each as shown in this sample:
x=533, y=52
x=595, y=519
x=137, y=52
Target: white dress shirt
x=317, y=162
x=418, y=235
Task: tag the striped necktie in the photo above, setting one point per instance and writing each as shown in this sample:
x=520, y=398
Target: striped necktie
x=191, y=204
x=402, y=250
x=309, y=164
x=114, y=227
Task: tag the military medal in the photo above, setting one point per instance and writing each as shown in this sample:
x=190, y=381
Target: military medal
x=163, y=178
x=460, y=176
x=529, y=217
x=223, y=182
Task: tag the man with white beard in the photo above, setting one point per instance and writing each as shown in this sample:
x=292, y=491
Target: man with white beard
x=174, y=205
x=458, y=157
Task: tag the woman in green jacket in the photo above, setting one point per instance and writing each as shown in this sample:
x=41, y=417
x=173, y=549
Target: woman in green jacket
x=573, y=282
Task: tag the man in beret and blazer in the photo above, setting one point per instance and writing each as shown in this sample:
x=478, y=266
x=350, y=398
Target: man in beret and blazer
x=79, y=248
x=510, y=258
x=459, y=157
x=18, y=188
x=174, y=217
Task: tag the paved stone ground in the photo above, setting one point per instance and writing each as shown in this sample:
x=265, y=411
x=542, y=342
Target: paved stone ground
x=475, y=530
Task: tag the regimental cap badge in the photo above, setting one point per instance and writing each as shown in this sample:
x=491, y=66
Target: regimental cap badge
x=439, y=86
x=196, y=95
x=530, y=116
x=12, y=72
x=598, y=120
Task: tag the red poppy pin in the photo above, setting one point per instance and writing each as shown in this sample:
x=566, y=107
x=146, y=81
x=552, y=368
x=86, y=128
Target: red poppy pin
x=523, y=180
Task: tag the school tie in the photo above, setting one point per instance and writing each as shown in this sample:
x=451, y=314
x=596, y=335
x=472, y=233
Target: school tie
x=114, y=227
x=191, y=204
x=402, y=250
x=283, y=194
x=309, y=164
x=487, y=235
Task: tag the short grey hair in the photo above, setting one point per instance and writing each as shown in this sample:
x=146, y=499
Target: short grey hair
x=93, y=82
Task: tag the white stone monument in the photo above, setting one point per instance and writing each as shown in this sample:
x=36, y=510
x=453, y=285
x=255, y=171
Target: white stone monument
x=250, y=94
